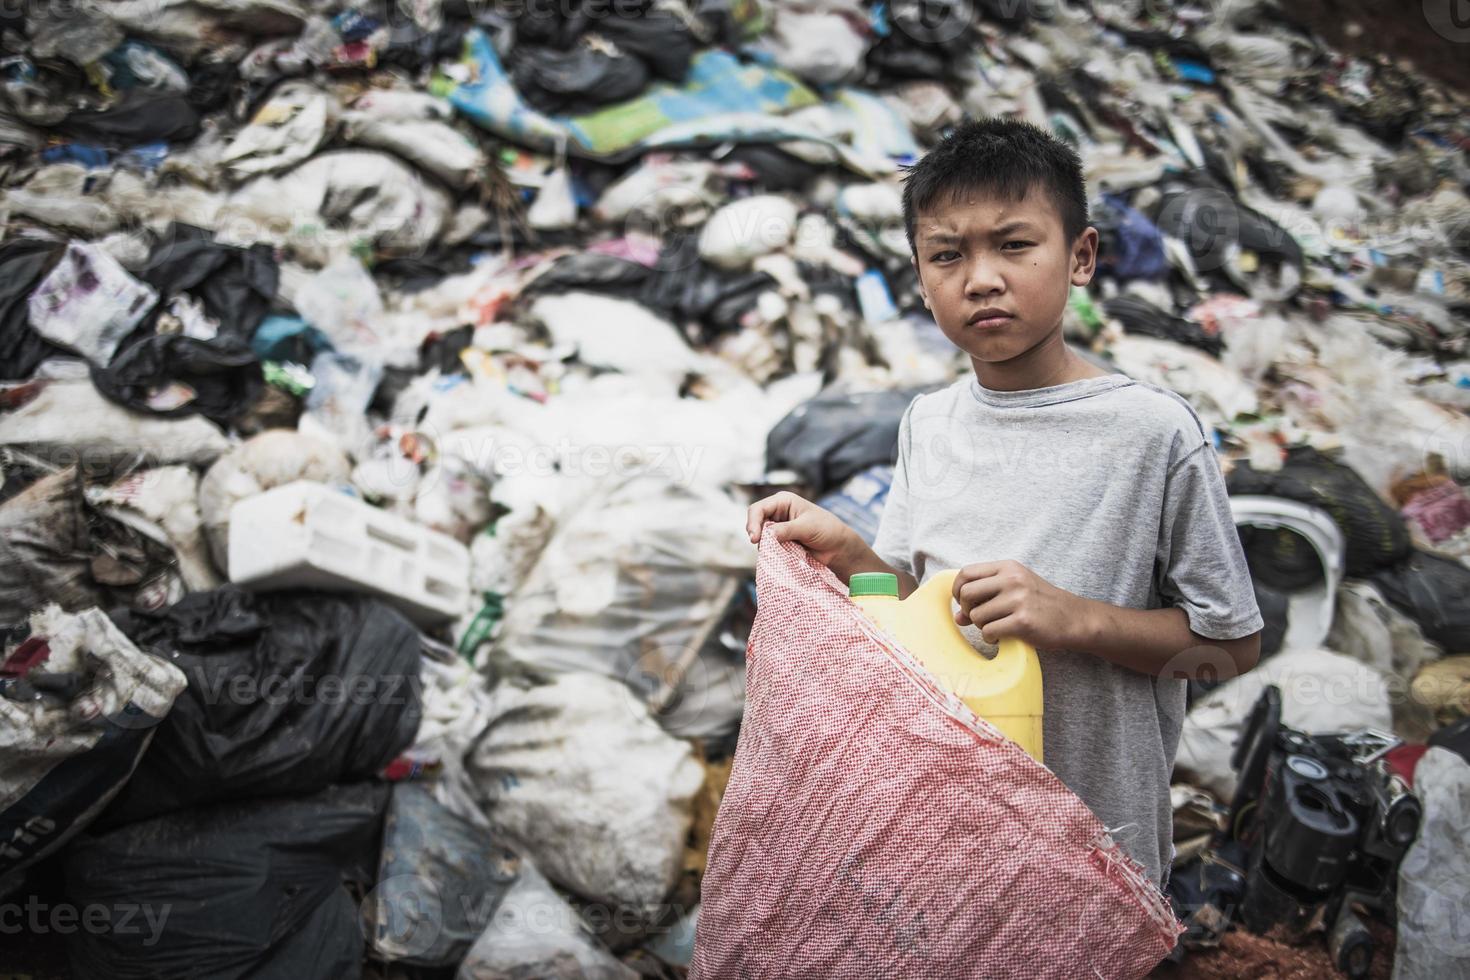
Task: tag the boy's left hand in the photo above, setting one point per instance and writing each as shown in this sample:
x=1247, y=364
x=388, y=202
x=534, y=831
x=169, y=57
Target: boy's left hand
x=1007, y=599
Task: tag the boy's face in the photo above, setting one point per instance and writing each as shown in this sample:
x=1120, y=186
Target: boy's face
x=996, y=273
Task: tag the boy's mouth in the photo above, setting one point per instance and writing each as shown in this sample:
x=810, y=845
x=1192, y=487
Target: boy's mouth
x=989, y=317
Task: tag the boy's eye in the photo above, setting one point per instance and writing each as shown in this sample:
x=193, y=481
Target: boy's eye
x=1016, y=245
x=944, y=256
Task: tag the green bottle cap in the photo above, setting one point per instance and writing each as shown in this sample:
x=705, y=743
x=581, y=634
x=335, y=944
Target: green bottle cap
x=873, y=583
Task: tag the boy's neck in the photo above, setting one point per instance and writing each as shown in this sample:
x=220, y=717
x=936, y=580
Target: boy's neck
x=1049, y=363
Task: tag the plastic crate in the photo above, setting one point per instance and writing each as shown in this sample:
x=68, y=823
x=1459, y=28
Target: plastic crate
x=307, y=535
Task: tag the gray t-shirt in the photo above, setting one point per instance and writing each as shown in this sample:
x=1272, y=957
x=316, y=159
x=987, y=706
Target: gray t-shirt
x=1106, y=487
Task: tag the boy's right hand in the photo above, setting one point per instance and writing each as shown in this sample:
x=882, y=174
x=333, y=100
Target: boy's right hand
x=820, y=531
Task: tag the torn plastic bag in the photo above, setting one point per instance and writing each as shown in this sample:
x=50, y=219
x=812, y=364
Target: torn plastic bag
x=288, y=693
x=1367, y=628
x=88, y=303
x=631, y=586
x=430, y=144
x=138, y=117
x=70, y=421
x=236, y=285
x=62, y=759
x=166, y=498
x=954, y=854
x=287, y=129
x=337, y=202
x=172, y=375
x=1321, y=691
x=1434, y=592
x=835, y=436
x=578, y=777
x=1375, y=533
x=271, y=459
x=1434, y=876
x=440, y=880
x=56, y=548
x=235, y=890
x=535, y=933
x=24, y=262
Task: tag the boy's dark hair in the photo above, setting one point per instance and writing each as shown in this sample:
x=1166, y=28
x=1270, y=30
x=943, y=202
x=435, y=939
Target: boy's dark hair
x=1001, y=157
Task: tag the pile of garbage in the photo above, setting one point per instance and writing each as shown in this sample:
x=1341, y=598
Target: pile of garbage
x=382, y=386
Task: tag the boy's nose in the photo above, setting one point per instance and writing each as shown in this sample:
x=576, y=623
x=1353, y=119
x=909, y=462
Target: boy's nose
x=983, y=278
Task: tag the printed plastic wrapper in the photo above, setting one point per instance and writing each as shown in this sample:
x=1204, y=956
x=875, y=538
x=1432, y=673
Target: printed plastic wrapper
x=874, y=827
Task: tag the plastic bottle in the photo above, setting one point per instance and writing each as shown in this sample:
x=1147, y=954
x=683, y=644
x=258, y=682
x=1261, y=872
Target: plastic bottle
x=1004, y=690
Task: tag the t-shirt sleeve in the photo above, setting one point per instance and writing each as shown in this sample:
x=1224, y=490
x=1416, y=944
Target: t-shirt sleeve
x=893, y=542
x=1200, y=563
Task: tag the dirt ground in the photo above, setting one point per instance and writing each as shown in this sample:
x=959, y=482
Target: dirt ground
x=1399, y=30
x=1243, y=956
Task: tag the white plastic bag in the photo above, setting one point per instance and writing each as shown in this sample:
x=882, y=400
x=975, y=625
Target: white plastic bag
x=89, y=302
x=743, y=230
x=60, y=764
x=535, y=933
x=287, y=129
x=69, y=422
x=1321, y=691
x=629, y=587
x=576, y=775
x=1434, y=876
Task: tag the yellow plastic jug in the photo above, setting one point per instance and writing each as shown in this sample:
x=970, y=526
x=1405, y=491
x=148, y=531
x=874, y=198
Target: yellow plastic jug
x=1004, y=690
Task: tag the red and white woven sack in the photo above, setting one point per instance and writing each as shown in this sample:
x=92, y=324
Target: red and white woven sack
x=874, y=827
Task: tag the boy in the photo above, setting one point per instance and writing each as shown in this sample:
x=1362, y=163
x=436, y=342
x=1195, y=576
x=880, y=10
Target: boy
x=1086, y=511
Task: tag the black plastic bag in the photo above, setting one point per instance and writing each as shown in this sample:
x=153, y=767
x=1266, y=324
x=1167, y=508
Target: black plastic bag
x=289, y=692
x=775, y=169
x=228, y=891
x=1280, y=558
x=24, y=262
x=441, y=878
x=235, y=285
x=1274, y=605
x=1435, y=593
x=223, y=375
x=833, y=436
x=655, y=36
x=1139, y=316
x=138, y=117
x=1375, y=533
x=1209, y=221
x=570, y=82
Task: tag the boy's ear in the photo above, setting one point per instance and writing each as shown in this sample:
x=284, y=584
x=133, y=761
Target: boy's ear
x=923, y=294
x=1084, y=257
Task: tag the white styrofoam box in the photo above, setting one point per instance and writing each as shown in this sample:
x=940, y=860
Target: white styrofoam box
x=307, y=535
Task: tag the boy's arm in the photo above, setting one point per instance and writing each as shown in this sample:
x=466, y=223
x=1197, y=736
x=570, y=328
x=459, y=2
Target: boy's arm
x=1005, y=598
x=1159, y=642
